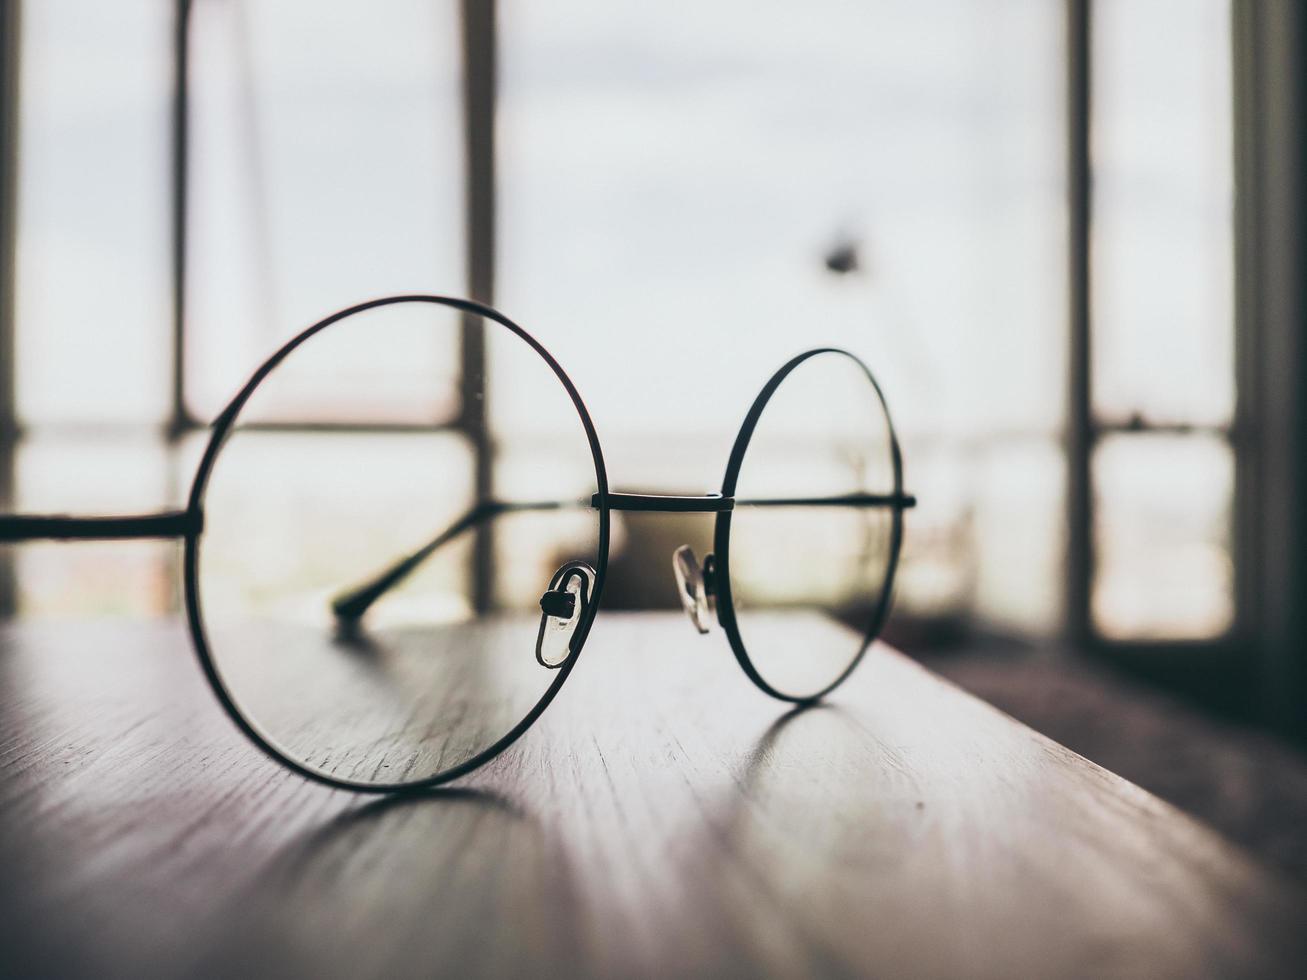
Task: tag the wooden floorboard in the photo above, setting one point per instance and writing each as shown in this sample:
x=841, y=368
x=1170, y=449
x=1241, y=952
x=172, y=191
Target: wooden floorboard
x=663, y=818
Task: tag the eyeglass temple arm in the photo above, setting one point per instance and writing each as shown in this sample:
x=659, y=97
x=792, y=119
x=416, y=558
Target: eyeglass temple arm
x=897, y=501
x=351, y=604
x=65, y=527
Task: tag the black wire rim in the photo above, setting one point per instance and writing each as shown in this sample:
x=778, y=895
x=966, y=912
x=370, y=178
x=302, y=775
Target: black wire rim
x=222, y=427
x=722, y=531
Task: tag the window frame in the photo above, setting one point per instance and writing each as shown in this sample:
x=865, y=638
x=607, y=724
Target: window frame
x=10, y=28
x=1265, y=315
x=1085, y=432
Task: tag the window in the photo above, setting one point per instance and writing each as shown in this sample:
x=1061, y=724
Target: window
x=1162, y=319
x=683, y=202
x=671, y=186
x=325, y=168
x=92, y=298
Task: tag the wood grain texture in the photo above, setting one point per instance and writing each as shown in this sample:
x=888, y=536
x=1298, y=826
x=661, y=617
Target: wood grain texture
x=663, y=818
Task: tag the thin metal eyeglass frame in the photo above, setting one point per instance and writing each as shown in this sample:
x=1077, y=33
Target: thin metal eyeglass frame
x=188, y=525
x=350, y=605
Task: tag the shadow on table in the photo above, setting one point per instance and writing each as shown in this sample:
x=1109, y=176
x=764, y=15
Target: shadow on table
x=403, y=818
x=760, y=756
x=460, y=879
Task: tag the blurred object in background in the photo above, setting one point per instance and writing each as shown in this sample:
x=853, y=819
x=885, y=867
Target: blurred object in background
x=844, y=256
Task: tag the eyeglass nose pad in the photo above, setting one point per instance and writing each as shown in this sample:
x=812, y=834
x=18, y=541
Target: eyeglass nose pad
x=562, y=606
x=695, y=586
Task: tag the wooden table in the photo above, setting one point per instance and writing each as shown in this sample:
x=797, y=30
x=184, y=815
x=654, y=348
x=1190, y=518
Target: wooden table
x=663, y=818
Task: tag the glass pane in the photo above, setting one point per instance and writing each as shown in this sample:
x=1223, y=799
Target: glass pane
x=93, y=304
x=1163, y=197
x=1163, y=537
x=936, y=576
x=1019, y=540
x=116, y=476
x=326, y=170
x=673, y=186
x=987, y=536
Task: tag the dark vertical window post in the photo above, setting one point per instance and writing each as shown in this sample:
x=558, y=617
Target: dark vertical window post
x=179, y=137
x=179, y=421
x=479, y=77
x=9, y=29
x=1080, y=423
x=1270, y=116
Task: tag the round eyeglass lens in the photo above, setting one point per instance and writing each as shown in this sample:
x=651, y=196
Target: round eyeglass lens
x=377, y=542
x=810, y=552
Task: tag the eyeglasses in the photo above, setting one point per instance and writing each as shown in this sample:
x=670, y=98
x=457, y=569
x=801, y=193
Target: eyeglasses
x=386, y=585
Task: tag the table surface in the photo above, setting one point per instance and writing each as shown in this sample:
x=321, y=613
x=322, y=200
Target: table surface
x=662, y=818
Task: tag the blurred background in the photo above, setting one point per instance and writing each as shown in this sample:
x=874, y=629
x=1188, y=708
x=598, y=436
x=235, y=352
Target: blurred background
x=1063, y=233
